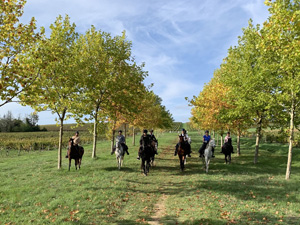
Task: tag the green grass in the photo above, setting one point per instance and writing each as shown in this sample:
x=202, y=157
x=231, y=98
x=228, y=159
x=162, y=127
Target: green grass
x=33, y=191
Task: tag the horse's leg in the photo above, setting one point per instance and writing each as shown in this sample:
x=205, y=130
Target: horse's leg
x=225, y=159
x=69, y=162
x=76, y=161
x=229, y=158
x=206, y=164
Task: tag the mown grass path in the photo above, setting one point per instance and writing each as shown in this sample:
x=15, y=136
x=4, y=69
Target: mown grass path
x=33, y=191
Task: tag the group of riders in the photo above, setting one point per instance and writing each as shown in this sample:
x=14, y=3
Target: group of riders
x=146, y=140
x=186, y=144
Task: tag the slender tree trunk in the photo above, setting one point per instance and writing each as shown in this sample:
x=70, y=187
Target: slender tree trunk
x=238, y=144
x=291, y=139
x=125, y=131
x=113, y=140
x=61, y=128
x=214, y=135
x=221, y=136
x=133, y=136
x=95, y=133
x=258, y=135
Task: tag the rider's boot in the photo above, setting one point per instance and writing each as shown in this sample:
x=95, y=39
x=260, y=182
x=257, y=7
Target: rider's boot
x=176, y=150
x=127, y=152
x=67, y=156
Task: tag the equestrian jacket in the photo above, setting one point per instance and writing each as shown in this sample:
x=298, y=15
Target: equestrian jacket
x=121, y=139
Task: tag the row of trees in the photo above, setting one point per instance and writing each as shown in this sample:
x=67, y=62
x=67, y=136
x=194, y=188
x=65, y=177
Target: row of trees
x=91, y=76
x=28, y=124
x=258, y=82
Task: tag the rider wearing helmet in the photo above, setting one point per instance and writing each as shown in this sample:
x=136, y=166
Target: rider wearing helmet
x=144, y=142
x=186, y=143
x=206, y=139
x=153, y=138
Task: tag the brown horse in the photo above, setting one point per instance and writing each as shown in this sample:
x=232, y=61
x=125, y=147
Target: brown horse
x=154, y=146
x=75, y=153
x=182, y=152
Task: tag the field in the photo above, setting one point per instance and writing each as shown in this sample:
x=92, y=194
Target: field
x=33, y=191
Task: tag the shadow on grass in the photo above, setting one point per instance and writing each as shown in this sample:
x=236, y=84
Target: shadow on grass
x=124, y=169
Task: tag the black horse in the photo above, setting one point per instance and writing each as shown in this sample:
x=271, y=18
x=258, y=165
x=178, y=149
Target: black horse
x=76, y=153
x=183, y=150
x=146, y=153
x=227, y=149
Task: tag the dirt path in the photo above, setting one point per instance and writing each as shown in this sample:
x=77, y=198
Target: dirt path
x=160, y=210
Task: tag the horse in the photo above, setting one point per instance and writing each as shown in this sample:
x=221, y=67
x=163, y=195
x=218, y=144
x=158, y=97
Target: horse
x=208, y=153
x=154, y=146
x=227, y=149
x=75, y=153
x=119, y=154
x=190, y=142
x=182, y=152
x=146, y=154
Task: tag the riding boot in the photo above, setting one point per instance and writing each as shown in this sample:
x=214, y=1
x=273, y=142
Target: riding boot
x=113, y=151
x=127, y=151
x=67, y=156
x=176, y=150
x=139, y=155
x=213, y=152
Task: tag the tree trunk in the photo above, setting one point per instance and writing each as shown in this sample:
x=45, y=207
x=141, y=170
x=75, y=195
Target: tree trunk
x=258, y=135
x=133, y=136
x=61, y=128
x=238, y=144
x=291, y=139
x=95, y=133
x=221, y=136
x=125, y=131
x=113, y=140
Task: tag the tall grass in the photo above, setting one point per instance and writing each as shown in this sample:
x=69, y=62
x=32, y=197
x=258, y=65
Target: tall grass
x=33, y=191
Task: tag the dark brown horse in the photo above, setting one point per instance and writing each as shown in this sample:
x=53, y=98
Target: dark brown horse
x=154, y=146
x=182, y=151
x=227, y=149
x=146, y=154
x=76, y=153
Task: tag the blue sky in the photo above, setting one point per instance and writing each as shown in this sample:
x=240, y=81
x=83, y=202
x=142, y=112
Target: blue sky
x=181, y=42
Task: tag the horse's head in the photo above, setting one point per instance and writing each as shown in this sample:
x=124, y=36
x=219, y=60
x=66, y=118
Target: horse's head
x=181, y=138
x=212, y=143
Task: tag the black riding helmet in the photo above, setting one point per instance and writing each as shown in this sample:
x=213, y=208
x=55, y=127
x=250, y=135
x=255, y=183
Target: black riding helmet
x=145, y=131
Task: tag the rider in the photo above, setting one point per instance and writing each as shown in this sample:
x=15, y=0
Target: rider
x=121, y=140
x=153, y=138
x=144, y=141
x=206, y=139
x=185, y=139
x=76, y=142
x=227, y=141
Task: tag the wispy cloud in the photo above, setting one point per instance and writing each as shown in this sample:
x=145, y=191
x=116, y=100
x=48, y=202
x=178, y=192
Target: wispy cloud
x=181, y=42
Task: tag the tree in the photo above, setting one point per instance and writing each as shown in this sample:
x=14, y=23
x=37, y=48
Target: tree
x=57, y=85
x=109, y=76
x=282, y=56
x=252, y=86
x=15, y=40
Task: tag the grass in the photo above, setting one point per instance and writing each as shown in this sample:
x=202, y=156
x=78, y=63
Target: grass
x=33, y=191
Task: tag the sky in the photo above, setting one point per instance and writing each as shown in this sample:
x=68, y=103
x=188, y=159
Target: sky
x=181, y=42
